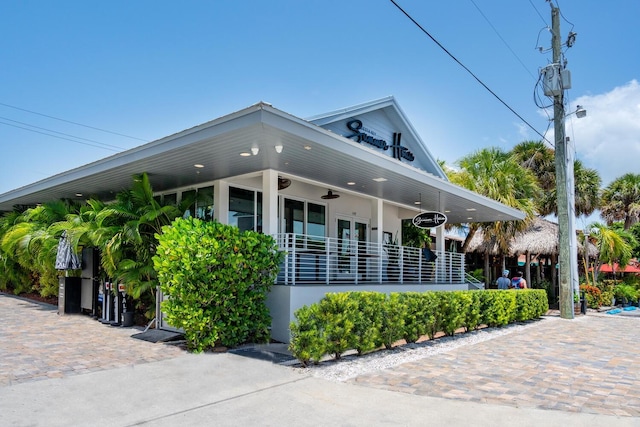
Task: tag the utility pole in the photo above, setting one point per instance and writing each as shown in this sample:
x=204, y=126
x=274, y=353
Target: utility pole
x=564, y=186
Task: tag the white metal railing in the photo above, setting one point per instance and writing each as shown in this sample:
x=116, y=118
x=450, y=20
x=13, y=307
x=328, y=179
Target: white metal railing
x=327, y=260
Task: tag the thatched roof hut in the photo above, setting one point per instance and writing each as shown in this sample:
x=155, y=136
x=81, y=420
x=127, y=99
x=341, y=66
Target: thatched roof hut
x=541, y=238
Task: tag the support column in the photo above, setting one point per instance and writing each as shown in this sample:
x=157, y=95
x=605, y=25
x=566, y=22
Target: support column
x=221, y=201
x=377, y=220
x=440, y=248
x=270, y=202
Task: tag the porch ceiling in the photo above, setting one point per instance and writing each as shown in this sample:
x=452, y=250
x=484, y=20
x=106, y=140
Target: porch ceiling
x=308, y=151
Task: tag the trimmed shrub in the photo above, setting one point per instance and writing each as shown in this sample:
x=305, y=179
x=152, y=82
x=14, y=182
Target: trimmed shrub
x=415, y=315
x=336, y=312
x=452, y=310
x=392, y=320
x=367, y=320
x=307, y=335
x=472, y=312
x=216, y=279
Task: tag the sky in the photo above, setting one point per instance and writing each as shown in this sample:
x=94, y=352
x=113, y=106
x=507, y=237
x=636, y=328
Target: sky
x=80, y=81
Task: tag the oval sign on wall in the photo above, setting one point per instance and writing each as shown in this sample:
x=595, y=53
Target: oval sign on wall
x=429, y=219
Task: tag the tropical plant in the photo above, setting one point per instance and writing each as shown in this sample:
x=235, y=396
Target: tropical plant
x=613, y=246
x=31, y=242
x=540, y=160
x=621, y=200
x=496, y=174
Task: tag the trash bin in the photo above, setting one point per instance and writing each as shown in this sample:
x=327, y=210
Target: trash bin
x=69, y=291
x=127, y=318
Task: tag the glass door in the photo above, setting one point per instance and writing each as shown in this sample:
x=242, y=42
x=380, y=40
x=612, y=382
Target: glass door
x=352, y=245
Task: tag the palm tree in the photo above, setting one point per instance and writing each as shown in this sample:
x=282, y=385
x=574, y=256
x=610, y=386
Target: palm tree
x=613, y=245
x=621, y=200
x=498, y=175
x=540, y=159
x=126, y=235
x=587, y=189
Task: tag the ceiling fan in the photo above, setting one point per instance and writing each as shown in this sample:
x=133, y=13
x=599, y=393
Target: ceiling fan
x=330, y=195
x=283, y=183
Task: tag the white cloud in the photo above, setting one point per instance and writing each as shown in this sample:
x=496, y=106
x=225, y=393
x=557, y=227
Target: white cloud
x=608, y=139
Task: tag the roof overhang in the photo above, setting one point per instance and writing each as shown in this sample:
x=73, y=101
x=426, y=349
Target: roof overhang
x=308, y=151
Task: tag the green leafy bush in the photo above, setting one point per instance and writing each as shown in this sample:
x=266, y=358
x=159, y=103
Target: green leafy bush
x=307, y=335
x=417, y=315
x=392, y=318
x=498, y=307
x=337, y=313
x=625, y=293
x=217, y=279
x=367, y=320
x=473, y=312
x=364, y=321
x=452, y=311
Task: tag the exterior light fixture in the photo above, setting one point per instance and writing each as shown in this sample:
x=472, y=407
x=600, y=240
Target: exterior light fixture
x=307, y=147
x=255, y=150
x=351, y=183
x=198, y=165
x=380, y=179
x=279, y=148
x=78, y=194
x=580, y=112
x=245, y=154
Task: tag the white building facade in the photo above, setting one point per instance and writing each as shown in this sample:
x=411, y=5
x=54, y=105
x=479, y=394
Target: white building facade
x=333, y=189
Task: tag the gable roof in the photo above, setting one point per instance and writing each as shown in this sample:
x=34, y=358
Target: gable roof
x=398, y=121
x=310, y=152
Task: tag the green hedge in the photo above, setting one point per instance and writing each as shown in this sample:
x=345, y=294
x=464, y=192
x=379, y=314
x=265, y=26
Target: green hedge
x=367, y=321
x=217, y=279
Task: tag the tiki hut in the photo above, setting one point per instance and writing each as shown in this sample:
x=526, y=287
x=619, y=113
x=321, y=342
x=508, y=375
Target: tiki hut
x=538, y=244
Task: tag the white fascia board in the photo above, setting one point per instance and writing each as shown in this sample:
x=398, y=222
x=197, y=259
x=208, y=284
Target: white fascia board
x=228, y=123
x=304, y=129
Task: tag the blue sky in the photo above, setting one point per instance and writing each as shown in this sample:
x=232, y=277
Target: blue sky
x=147, y=69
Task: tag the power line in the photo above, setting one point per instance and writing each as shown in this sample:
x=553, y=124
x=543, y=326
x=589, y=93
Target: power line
x=538, y=12
x=466, y=69
x=503, y=40
x=102, y=144
x=73, y=123
x=59, y=137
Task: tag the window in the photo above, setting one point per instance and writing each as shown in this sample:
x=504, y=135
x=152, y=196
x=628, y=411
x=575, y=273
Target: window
x=204, y=203
x=245, y=209
x=188, y=197
x=306, y=218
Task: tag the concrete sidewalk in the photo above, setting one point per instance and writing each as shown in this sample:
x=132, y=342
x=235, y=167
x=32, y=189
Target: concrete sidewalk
x=71, y=370
x=229, y=390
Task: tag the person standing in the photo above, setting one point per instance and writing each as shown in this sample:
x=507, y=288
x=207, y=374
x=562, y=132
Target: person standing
x=504, y=282
x=518, y=282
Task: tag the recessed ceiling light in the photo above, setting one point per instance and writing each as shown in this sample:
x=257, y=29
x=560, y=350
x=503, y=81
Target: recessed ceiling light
x=380, y=179
x=351, y=183
x=470, y=217
x=471, y=209
x=307, y=147
x=446, y=211
x=78, y=194
x=417, y=203
x=198, y=165
x=245, y=154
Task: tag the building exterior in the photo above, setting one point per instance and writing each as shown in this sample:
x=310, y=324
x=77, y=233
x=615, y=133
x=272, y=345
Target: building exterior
x=333, y=189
